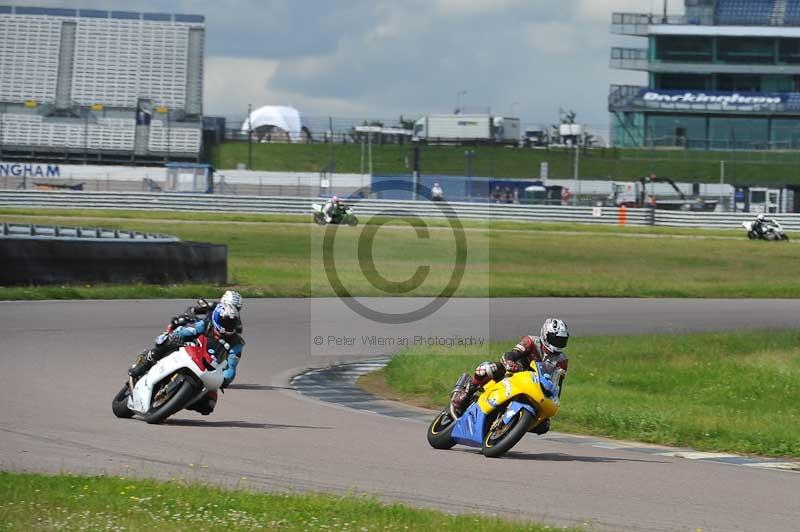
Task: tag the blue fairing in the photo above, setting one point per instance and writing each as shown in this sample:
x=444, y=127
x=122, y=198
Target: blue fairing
x=514, y=408
x=469, y=428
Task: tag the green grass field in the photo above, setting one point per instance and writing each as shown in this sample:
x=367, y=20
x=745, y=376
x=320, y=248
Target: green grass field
x=285, y=259
x=44, y=503
x=728, y=392
x=617, y=164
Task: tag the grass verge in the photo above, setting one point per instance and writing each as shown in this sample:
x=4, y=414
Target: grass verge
x=615, y=164
x=40, y=502
x=284, y=259
x=727, y=392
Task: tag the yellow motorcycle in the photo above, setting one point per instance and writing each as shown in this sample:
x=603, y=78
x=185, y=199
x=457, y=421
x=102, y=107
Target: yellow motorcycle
x=501, y=414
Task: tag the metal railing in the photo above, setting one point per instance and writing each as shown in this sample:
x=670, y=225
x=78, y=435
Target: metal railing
x=371, y=207
x=27, y=231
x=629, y=58
x=290, y=205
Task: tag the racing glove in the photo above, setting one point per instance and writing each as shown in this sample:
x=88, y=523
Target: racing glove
x=512, y=366
x=486, y=369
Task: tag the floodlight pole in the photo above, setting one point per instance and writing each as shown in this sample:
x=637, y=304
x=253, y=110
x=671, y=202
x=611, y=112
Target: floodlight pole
x=250, y=136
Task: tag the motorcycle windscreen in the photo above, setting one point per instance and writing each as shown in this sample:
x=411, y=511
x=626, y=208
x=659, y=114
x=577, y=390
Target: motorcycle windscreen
x=469, y=428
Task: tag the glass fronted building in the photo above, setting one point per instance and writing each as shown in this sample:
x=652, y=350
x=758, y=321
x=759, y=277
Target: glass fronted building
x=726, y=75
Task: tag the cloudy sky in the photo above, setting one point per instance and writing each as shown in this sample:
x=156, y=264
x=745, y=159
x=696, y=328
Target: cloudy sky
x=384, y=58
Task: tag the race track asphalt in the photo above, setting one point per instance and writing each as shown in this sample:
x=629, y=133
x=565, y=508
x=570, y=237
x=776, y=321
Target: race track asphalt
x=63, y=361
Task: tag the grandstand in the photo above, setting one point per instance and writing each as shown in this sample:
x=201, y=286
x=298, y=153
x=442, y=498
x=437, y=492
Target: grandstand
x=109, y=86
x=725, y=75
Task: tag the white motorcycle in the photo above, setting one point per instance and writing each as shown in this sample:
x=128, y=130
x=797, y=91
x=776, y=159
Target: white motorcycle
x=772, y=231
x=346, y=218
x=173, y=383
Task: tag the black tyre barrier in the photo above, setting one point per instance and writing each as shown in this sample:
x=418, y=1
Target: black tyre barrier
x=38, y=261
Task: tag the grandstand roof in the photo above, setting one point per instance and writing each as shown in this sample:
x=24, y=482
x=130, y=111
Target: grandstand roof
x=95, y=13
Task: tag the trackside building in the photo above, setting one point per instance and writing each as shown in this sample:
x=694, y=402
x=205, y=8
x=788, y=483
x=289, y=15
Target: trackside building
x=87, y=85
x=726, y=75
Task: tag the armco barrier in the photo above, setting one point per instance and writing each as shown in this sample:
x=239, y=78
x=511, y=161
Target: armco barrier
x=290, y=205
x=368, y=207
x=714, y=220
x=53, y=255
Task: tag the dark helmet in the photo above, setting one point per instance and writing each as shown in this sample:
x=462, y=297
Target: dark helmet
x=225, y=319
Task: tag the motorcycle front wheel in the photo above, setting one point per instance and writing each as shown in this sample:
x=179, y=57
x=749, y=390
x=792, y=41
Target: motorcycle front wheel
x=319, y=219
x=173, y=400
x=440, y=429
x=352, y=221
x=119, y=405
x=503, y=436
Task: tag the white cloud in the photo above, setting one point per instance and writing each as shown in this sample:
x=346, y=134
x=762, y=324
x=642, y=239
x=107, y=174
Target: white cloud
x=473, y=7
x=231, y=83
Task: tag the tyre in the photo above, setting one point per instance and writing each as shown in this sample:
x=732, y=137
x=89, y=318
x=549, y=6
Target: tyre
x=440, y=429
x=785, y=237
x=352, y=221
x=502, y=437
x=319, y=219
x=176, y=399
x=120, y=403
x=751, y=235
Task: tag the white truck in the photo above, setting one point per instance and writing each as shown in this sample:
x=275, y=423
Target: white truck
x=473, y=128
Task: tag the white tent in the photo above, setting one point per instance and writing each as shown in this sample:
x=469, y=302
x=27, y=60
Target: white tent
x=281, y=117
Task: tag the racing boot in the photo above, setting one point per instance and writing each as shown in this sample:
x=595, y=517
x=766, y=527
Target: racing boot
x=149, y=357
x=462, y=393
x=144, y=361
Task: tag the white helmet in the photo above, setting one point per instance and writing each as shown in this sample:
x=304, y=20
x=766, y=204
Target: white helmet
x=760, y=217
x=232, y=298
x=554, y=335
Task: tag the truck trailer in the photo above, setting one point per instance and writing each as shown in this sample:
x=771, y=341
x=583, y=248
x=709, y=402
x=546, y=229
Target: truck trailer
x=467, y=129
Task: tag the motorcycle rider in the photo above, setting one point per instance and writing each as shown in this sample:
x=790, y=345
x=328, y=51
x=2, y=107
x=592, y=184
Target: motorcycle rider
x=221, y=328
x=201, y=309
x=547, y=349
x=761, y=225
x=333, y=210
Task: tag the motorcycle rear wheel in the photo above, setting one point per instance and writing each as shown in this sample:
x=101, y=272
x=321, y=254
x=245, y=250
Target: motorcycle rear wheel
x=119, y=405
x=180, y=397
x=497, y=446
x=440, y=429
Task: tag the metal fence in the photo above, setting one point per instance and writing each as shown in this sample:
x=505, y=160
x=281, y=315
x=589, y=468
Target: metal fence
x=369, y=207
x=28, y=231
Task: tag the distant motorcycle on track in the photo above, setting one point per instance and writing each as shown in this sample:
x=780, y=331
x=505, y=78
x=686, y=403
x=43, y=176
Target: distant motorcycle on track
x=772, y=231
x=345, y=218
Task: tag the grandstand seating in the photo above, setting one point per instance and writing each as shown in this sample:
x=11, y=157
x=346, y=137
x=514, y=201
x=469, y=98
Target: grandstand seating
x=119, y=61
x=67, y=61
x=33, y=130
x=792, y=16
x=745, y=12
x=182, y=138
x=29, y=49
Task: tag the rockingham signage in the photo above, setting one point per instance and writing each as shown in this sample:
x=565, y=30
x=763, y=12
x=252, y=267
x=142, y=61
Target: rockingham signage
x=714, y=100
x=701, y=97
x=29, y=170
